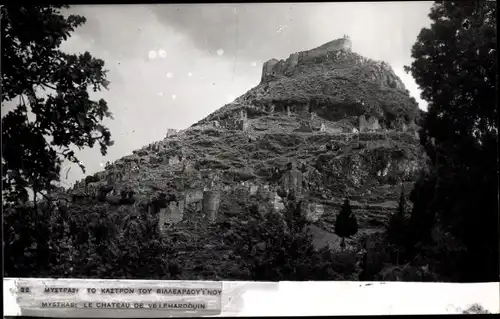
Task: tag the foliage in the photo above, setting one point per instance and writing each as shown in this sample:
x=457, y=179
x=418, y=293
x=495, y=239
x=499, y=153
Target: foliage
x=444, y=255
x=346, y=224
x=397, y=227
x=85, y=243
x=456, y=68
x=91, y=179
x=377, y=256
x=276, y=248
x=406, y=273
x=51, y=86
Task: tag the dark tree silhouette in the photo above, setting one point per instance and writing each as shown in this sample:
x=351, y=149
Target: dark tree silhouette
x=456, y=68
x=346, y=224
x=54, y=110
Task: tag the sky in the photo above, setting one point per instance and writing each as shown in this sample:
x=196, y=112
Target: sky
x=170, y=65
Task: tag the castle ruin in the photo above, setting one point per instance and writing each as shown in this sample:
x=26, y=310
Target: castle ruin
x=276, y=67
x=172, y=214
x=291, y=181
x=171, y=132
x=211, y=202
x=368, y=125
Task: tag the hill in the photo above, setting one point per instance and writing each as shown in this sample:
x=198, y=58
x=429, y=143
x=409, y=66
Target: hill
x=324, y=124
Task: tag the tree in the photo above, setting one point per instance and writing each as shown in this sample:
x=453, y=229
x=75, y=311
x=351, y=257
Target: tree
x=273, y=249
x=455, y=66
x=396, y=229
x=346, y=224
x=51, y=87
x=87, y=242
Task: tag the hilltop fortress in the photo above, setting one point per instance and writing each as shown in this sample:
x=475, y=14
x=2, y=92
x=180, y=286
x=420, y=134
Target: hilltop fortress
x=274, y=67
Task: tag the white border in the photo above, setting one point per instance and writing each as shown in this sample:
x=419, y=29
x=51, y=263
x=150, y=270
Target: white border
x=311, y=298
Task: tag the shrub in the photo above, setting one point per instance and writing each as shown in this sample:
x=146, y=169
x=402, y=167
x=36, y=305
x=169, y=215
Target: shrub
x=57, y=241
x=345, y=264
x=91, y=179
x=406, y=273
x=275, y=248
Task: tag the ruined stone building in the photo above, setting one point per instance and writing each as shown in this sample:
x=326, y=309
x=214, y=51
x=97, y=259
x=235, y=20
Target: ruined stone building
x=291, y=181
x=276, y=67
x=211, y=202
x=171, y=132
x=368, y=125
x=172, y=214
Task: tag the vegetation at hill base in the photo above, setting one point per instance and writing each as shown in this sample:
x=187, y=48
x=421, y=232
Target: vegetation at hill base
x=97, y=244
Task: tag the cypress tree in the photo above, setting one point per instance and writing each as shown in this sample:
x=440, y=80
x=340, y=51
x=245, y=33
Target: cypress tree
x=346, y=224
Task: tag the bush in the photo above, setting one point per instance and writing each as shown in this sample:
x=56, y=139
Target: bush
x=275, y=248
x=241, y=176
x=55, y=241
x=377, y=256
x=345, y=264
x=406, y=273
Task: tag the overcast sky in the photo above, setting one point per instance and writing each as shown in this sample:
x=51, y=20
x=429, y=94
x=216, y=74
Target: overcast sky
x=171, y=65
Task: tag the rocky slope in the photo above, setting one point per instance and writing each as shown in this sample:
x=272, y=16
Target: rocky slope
x=323, y=124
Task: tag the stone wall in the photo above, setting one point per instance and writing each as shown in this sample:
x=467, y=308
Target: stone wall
x=331, y=129
x=236, y=121
x=171, y=132
x=243, y=124
x=243, y=114
x=211, y=202
x=173, y=160
x=193, y=196
x=368, y=125
x=214, y=124
x=277, y=203
x=305, y=127
x=335, y=45
x=253, y=190
x=94, y=188
x=172, y=214
x=276, y=67
x=291, y=181
x=409, y=127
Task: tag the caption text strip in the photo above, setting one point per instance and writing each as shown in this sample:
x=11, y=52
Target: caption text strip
x=103, y=298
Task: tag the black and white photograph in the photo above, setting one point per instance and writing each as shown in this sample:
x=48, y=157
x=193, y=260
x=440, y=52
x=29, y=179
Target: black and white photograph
x=333, y=141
